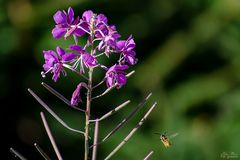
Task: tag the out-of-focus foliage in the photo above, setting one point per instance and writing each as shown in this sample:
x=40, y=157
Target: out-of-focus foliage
x=189, y=57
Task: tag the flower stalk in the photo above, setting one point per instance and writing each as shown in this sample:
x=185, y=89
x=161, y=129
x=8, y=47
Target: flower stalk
x=87, y=113
x=89, y=93
x=94, y=152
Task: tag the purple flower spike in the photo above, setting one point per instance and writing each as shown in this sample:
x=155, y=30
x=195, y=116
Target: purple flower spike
x=115, y=74
x=76, y=98
x=126, y=48
x=66, y=25
x=54, y=62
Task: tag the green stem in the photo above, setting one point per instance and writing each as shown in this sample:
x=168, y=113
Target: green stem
x=88, y=106
x=89, y=93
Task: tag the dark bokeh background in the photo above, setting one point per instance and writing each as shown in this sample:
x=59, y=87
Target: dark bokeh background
x=189, y=57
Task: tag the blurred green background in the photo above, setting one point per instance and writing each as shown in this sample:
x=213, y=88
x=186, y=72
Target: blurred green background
x=189, y=57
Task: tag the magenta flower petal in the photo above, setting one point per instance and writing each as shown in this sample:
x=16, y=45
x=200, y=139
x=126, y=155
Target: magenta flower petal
x=60, y=51
x=89, y=60
x=102, y=18
x=58, y=32
x=115, y=34
x=49, y=63
x=76, y=48
x=79, y=32
x=58, y=68
x=76, y=97
x=118, y=68
x=121, y=79
x=120, y=44
x=50, y=59
x=59, y=17
x=110, y=81
x=130, y=43
x=121, y=67
x=69, y=57
x=70, y=15
x=46, y=67
x=130, y=59
x=50, y=56
x=87, y=15
x=116, y=75
x=76, y=21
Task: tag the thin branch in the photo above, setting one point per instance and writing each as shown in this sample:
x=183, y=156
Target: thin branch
x=125, y=120
x=99, y=84
x=109, y=89
x=17, y=154
x=130, y=74
x=112, y=111
x=132, y=132
x=94, y=154
x=50, y=136
x=148, y=157
x=53, y=113
x=105, y=92
x=40, y=150
x=60, y=96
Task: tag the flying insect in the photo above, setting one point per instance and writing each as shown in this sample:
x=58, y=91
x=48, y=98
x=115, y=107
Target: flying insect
x=166, y=139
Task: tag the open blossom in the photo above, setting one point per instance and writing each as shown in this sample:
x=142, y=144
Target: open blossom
x=97, y=24
x=54, y=61
x=91, y=21
x=126, y=48
x=108, y=36
x=66, y=25
x=85, y=58
x=115, y=74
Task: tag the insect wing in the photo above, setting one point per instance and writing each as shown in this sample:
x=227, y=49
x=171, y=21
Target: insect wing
x=173, y=135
